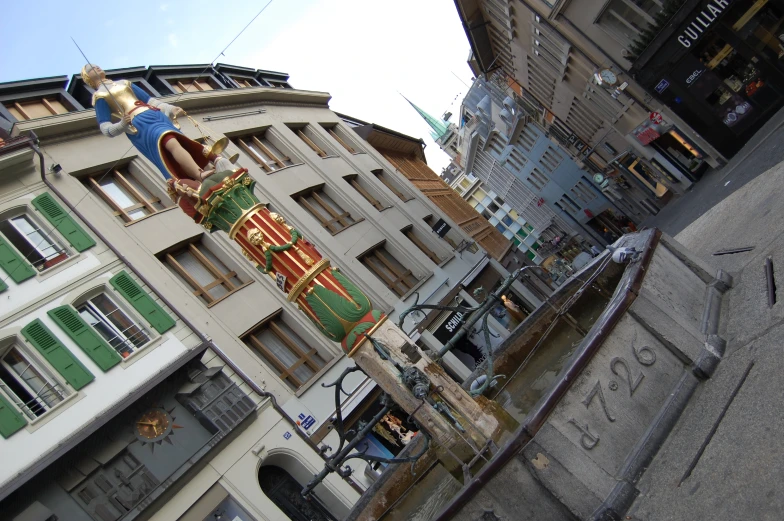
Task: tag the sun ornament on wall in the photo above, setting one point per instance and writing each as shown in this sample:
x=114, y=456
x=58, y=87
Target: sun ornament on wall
x=155, y=426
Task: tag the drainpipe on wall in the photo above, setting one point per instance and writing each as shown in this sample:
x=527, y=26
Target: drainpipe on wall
x=206, y=341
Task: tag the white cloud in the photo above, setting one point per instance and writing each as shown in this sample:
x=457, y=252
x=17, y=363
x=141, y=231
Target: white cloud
x=173, y=40
x=164, y=7
x=364, y=70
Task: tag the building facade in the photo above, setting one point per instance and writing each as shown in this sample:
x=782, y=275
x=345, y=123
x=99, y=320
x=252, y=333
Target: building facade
x=213, y=335
x=573, y=59
x=514, y=157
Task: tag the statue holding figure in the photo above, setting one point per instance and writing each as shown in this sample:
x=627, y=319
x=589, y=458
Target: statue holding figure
x=149, y=125
x=215, y=194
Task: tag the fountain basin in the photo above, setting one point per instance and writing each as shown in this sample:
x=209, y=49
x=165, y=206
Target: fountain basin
x=610, y=406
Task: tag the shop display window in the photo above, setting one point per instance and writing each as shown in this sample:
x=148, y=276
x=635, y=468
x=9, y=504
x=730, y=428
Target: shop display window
x=732, y=84
x=680, y=150
x=761, y=25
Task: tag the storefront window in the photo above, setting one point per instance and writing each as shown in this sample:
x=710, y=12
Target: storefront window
x=759, y=24
x=724, y=90
x=730, y=82
x=644, y=173
x=680, y=150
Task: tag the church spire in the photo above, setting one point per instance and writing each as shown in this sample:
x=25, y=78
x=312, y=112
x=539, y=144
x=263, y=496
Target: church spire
x=440, y=127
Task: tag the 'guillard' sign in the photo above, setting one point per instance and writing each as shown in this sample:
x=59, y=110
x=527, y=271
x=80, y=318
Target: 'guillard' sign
x=702, y=22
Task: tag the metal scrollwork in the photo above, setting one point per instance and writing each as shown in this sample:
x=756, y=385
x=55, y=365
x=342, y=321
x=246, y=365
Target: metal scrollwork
x=337, y=463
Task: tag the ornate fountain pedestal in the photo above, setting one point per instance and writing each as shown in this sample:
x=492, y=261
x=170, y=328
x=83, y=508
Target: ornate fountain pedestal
x=459, y=427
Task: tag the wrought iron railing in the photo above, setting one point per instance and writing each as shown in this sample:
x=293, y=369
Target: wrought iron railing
x=40, y=403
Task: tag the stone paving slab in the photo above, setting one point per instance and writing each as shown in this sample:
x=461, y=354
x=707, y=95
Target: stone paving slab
x=752, y=216
x=740, y=475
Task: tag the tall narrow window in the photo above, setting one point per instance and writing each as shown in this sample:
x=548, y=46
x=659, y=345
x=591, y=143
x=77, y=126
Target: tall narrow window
x=389, y=270
x=313, y=140
x=365, y=191
x=386, y=178
x=266, y=150
x=551, y=159
x=37, y=247
x=129, y=198
x=27, y=384
x=209, y=277
x=341, y=136
x=325, y=209
x=420, y=243
x=114, y=325
x=286, y=352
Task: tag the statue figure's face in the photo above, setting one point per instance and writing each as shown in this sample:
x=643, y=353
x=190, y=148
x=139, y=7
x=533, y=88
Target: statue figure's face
x=93, y=75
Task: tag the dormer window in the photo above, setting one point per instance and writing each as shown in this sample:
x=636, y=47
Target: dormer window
x=192, y=84
x=24, y=110
x=243, y=82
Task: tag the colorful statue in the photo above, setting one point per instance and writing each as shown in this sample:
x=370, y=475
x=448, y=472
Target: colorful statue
x=149, y=125
x=217, y=196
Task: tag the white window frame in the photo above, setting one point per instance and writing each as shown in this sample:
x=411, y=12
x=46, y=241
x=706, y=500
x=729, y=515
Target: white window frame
x=126, y=341
x=53, y=243
x=52, y=383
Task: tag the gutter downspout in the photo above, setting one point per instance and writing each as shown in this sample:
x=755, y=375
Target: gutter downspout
x=204, y=338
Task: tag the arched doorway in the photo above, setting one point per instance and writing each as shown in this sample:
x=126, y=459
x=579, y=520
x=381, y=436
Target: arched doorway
x=285, y=492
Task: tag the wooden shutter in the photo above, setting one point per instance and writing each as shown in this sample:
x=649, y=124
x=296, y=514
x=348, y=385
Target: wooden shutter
x=11, y=420
x=85, y=337
x=64, y=223
x=57, y=354
x=13, y=263
x=142, y=302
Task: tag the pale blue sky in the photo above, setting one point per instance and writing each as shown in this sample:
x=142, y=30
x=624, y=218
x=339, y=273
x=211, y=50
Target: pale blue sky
x=363, y=52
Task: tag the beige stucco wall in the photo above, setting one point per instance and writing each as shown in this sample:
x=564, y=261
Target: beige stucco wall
x=73, y=142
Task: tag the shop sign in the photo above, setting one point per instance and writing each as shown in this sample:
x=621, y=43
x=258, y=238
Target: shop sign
x=441, y=228
x=451, y=324
x=579, y=145
x=694, y=76
x=656, y=118
x=649, y=131
x=702, y=22
x=646, y=136
x=690, y=72
x=661, y=86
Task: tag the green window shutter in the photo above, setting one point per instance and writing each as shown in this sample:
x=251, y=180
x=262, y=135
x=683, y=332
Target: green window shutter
x=11, y=420
x=3, y=286
x=85, y=337
x=142, y=302
x=57, y=354
x=13, y=263
x=64, y=223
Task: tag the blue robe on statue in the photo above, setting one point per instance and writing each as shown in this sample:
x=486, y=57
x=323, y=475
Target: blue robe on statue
x=151, y=126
